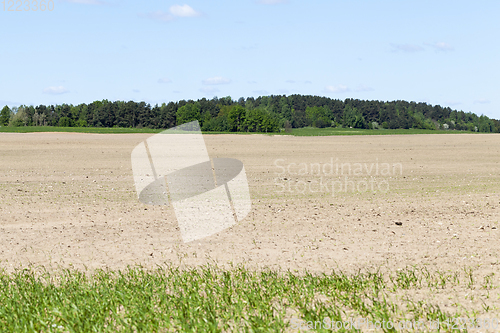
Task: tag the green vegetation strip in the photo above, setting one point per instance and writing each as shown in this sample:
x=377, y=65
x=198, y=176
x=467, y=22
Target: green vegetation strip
x=307, y=131
x=211, y=299
x=311, y=131
x=100, y=130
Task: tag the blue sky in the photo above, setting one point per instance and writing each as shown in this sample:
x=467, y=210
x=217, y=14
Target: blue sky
x=439, y=52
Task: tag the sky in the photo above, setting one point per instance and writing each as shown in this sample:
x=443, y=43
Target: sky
x=438, y=52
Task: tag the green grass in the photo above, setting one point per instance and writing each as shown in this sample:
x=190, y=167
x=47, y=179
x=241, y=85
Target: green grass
x=307, y=131
x=210, y=299
x=100, y=130
x=311, y=131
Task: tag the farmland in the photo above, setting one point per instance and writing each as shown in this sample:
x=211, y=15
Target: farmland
x=422, y=244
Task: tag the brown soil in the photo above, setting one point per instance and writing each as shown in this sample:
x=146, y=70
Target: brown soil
x=68, y=200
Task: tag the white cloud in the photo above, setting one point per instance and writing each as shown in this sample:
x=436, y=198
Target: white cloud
x=482, y=101
x=362, y=87
x=136, y=90
x=209, y=90
x=337, y=89
x=441, y=46
x=261, y=92
x=55, y=90
x=409, y=48
x=164, y=80
x=272, y=2
x=183, y=11
x=174, y=12
x=216, y=80
x=87, y=2
x=290, y=81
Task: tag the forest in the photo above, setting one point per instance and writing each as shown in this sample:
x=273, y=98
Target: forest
x=262, y=114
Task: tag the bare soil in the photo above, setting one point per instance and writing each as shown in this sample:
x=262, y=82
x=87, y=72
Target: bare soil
x=68, y=200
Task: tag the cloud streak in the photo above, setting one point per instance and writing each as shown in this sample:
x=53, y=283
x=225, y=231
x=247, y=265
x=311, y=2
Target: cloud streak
x=413, y=48
x=363, y=88
x=441, y=47
x=174, y=12
x=55, y=90
x=216, y=81
x=482, y=101
x=407, y=48
x=183, y=11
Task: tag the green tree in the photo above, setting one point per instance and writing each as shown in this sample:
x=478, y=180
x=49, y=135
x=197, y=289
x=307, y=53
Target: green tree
x=188, y=113
x=259, y=120
x=285, y=110
x=65, y=122
x=318, y=116
x=353, y=118
x=5, y=116
x=236, y=118
x=298, y=118
x=253, y=121
x=81, y=123
x=217, y=124
x=20, y=117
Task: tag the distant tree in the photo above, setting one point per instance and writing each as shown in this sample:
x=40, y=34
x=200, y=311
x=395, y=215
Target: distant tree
x=188, y=113
x=353, y=118
x=38, y=119
x=81, y=123
x=217, y=124
x=226, y=100
x=236, y=118
x=65, y=122
x=20, y=117
x=298, y=118
x=270, y=123
x=318, y=116
x=42, y=116
x=5, y=116
x=285, y=110
x=253, y=121
x=63, y=110
x=497, y=125
x=241, y=101
x=168, y=115
x=250, y=103
x=274, y=111
x=260, y=120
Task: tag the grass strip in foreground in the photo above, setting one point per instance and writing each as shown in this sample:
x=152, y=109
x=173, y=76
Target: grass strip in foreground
x=211, y=299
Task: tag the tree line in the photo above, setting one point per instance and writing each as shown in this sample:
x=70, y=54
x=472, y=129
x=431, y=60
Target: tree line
x=262, y=114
